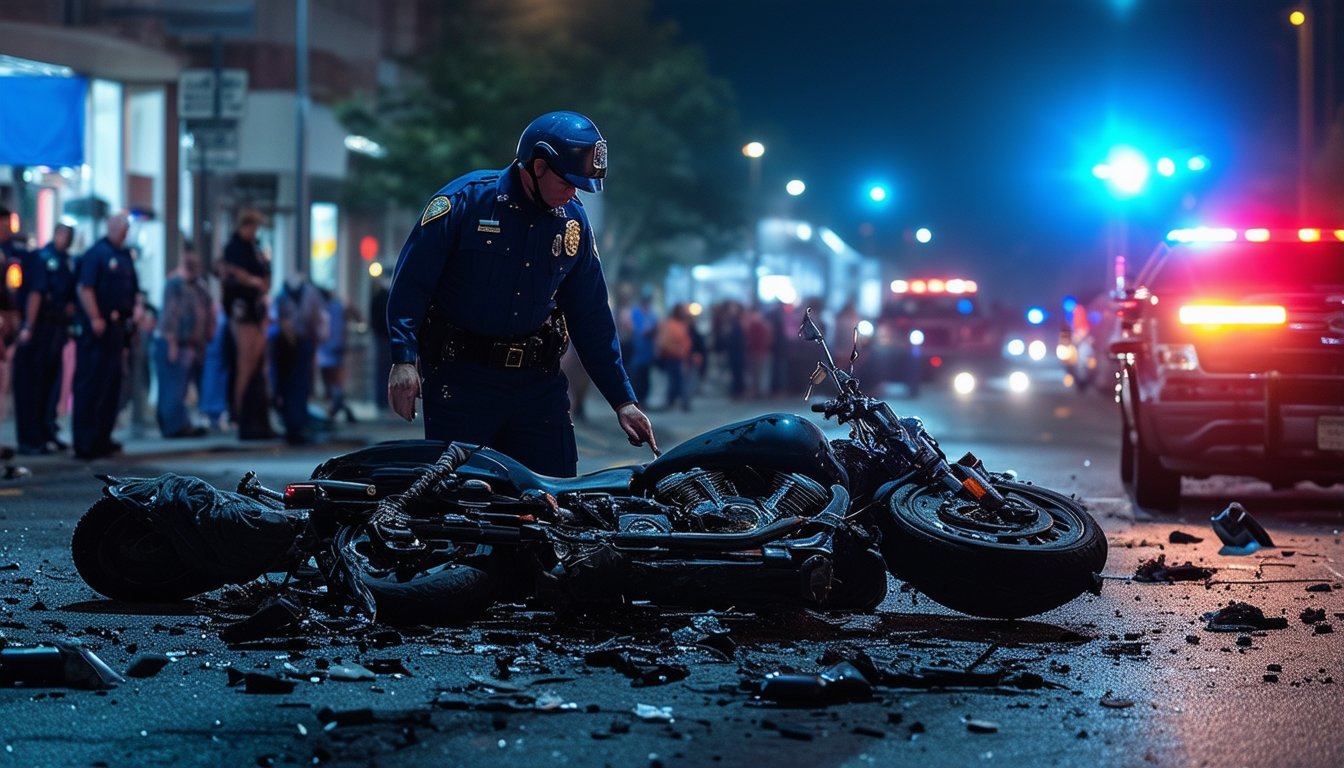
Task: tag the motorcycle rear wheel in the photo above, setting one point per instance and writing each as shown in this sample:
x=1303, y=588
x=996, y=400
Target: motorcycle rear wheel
x=122, y=557
x=447, y=590
x=972, y=561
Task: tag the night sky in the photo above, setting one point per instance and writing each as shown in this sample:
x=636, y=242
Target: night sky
x=986, y=117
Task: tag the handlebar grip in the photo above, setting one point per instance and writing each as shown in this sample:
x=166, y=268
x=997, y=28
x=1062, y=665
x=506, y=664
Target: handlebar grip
x=820, y=407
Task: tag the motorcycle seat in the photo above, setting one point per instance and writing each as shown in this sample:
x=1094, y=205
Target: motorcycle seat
x=495, y=467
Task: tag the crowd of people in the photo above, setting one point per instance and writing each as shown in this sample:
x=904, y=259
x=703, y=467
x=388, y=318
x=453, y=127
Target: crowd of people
x=742, y=351
x=79, y=337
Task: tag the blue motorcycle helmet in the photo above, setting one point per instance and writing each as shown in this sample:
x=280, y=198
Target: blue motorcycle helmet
x=570, y=144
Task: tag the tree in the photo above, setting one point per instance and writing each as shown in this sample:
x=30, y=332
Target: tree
x=669, y=122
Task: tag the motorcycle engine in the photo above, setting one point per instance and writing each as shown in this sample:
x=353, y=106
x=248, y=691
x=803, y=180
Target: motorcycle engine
x=716, y=501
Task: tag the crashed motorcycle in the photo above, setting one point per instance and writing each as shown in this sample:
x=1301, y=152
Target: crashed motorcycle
x=763, y=512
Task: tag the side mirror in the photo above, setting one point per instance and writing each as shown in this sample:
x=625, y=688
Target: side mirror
x=1126, y=347
x=809, y=331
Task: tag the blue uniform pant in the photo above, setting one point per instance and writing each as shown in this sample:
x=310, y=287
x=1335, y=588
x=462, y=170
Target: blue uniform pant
x=37, y=386
x=293, y=368
x=523, y=413
x=97, y=385
x=174, y=378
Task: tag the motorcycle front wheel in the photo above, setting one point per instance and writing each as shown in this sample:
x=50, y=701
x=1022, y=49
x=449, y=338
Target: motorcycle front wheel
x=1039, y=554
x=448, y=587
x=122, y=557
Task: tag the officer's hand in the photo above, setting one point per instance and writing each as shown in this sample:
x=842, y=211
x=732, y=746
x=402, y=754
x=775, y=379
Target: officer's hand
x=637, y=427
x=403, y=386
x=98, y=325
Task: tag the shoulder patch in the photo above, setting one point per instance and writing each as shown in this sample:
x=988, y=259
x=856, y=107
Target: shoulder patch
x=436, y=208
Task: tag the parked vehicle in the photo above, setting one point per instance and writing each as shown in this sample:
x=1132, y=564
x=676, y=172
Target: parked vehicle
x=935, y=330
x=1231, y=345
x=766, y=511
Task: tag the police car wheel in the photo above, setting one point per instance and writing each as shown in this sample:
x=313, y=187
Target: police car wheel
x=121, y=556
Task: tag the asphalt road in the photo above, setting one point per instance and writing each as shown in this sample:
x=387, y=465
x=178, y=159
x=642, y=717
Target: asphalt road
x=1130, y=677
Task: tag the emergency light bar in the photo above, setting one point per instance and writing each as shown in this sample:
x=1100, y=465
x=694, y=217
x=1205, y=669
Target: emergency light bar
x=1232, y=314
x=934, y=285
x=1253, y=235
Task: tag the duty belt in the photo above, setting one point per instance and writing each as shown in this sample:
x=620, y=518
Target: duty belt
x=444, y=342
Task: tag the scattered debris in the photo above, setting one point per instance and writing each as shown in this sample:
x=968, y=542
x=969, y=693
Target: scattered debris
x=980, y=726
x=641, y=665
x=1242, y=617
x=1181, y=537
x=1312, y=615
x=147, y=665
x=1107, y=700
x=1239, y=531
x=278, y=618
x=1323, y=629
x=66, y=664
x=652, y=714
x=1157, y=571
x=1319, y=588
x=260, y=682
x=350, y=673
x=1271, y=678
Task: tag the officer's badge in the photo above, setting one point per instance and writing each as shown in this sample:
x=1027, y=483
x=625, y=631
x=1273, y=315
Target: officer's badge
x=600, y=155
x=436, y=208
x=488, y=226
x=53, y=265
x=556, y=244
x=572, y=231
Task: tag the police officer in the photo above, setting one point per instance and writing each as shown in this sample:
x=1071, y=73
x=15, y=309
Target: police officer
x=107, y=287
x=49, y=310
x=492, y=282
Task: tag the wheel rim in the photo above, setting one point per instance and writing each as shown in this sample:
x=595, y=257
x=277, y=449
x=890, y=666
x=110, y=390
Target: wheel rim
x=1026, y=522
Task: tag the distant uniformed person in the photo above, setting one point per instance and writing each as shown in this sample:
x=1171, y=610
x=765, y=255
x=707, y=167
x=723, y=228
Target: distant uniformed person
x=107, y=288
x=498, y=275
x=48, y=313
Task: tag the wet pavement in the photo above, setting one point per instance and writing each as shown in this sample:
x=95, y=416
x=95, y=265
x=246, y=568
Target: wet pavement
x=1169, y=668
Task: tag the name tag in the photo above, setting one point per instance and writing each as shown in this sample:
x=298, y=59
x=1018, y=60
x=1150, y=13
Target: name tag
x=488, y=226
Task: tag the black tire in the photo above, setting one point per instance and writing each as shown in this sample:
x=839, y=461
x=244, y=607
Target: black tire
x=1155, y=486
x=450, y=590
x=122, y=557
x=999, y=577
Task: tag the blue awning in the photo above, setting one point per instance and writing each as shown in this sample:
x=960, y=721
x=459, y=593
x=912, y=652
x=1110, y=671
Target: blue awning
x=43, y=121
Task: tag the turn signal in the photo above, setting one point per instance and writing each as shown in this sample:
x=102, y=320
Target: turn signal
x=1233, y=314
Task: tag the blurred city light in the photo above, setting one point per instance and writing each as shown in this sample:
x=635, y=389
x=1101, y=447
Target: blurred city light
x=804, y=232
x=866, y=328
x=833, y=240
x=1166, y=166
x=1036, y=350
x=1069, y=304
x=368, y=248
x=778, y=288
x=899, y=286
x=695, y=308
x=964, y=383
x=916, y=337
x=1197, y=163
x=1125, y=171
x=965, y=307
x=1017, y=347
x=375, y=269
x=877, y=193
x=795, y=187
x=1035, y=315
x=1018, y=382
x=754, y=149
x=365, y=146
x=923, y=235
x=1297, y=18
x=14, y=277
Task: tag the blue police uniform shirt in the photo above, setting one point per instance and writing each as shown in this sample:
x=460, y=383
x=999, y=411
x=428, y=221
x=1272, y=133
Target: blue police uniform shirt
x=54, y=280
x=111, y=273
x=496, y=264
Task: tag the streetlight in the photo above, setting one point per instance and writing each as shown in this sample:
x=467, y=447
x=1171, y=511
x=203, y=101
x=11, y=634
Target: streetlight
x=754, y=151
x=1305, y=118
x=923, y=235
x=795, y=187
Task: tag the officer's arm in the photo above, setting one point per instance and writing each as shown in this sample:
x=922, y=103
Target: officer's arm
x=583, y=299
x=90, y=301
x=418, y=269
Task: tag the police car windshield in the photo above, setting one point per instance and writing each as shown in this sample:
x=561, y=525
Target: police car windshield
x=1237, y=269
x=933, y=306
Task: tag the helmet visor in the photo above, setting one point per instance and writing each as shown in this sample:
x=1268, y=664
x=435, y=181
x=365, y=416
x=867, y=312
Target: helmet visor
x=584, y=165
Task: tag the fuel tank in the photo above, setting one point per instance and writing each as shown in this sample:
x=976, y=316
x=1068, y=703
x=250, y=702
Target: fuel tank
x=776, y=441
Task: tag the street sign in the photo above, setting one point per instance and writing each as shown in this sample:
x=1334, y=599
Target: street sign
x=214, y=144
x=196, y=94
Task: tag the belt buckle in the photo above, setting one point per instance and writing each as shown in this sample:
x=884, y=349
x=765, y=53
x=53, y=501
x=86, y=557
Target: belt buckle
x=513, y=358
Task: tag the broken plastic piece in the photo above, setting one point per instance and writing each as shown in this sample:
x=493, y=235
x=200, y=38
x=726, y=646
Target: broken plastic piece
x=1157, y=570
x=650, y=713
x=1242, y=617
x=278, y=619
x=1239, y=530
x=147, y=665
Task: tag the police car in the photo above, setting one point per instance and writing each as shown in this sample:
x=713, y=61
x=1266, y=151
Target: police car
x=936, y=329
x=1231, y=346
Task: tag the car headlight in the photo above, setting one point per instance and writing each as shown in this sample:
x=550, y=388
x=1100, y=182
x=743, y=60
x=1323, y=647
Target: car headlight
x=1177, y=357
